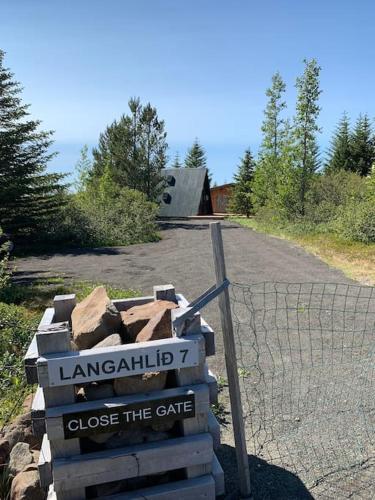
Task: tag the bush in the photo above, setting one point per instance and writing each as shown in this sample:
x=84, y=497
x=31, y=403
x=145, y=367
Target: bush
x=329, y=192
x=5, y=273
x=124, y=217
x=356, y=221
x=17, y=326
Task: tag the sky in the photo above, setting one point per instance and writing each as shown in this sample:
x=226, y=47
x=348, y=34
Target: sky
x=204, y=64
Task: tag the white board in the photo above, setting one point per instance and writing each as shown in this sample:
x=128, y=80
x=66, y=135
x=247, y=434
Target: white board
x=77, y=367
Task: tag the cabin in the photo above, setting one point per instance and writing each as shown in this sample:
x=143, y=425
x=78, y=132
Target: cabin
x=220, y=196
x=186, y=193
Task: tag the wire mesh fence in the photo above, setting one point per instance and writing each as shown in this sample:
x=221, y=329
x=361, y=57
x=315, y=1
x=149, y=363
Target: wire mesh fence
x=306, y=356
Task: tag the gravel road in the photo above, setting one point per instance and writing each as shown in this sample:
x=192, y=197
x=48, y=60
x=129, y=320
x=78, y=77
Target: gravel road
x=184, y=257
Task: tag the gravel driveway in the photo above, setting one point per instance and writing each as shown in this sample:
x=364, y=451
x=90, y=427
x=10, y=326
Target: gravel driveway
x=184, y=257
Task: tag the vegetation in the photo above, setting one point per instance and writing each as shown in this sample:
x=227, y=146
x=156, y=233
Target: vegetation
x=290, y=194
x=241, y=202
x=132, y=151
x=29, y=197
x=196, y=157
x=21, y=308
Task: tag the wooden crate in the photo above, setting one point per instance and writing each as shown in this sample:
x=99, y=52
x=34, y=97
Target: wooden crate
x=55, y=412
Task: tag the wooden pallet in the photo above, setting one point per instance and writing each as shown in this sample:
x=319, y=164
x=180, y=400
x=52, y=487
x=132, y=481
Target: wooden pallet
x=50, y=362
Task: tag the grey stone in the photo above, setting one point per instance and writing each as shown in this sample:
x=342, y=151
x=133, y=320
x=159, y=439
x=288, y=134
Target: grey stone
x=19, y=458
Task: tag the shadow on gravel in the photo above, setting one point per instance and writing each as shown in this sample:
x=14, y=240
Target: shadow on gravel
x=268, y=482
x=165, y=225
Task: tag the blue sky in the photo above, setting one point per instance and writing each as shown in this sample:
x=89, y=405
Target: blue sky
x=204, y=64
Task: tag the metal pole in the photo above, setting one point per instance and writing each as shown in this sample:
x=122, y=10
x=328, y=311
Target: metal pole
x=231, y=362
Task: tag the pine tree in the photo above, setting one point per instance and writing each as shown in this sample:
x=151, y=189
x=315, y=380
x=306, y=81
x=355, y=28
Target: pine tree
x=240, y=201
x=340, y=151
x=176, y=162
x=306, y=128
x=134, y=150
x=29, y=197
x=196, y=158
x=363, y=146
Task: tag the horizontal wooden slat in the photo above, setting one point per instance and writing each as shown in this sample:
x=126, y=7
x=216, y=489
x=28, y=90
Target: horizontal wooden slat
x=199, y=488
x=54, y=416
x=125, y=304
x=133, y=461
x=105, y=363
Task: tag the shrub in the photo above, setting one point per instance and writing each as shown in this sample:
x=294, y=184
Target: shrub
x=5, y=273
x=16, y=329
x=123, y=217
x=331, y=191
x=356, y=221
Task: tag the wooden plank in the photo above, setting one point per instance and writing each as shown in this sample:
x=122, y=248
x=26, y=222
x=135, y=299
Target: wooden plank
x=214, y=429
x=218, y=475
x=165, y=292
x=200, y=488
x=195, y=374
x=231, y=362
x=105, y=363
x=133, y=461
x=211, y=381
x=209, y=337
x=125, y=304
x=55, y=416
x=52, y=338
x=32, y=354
x=64, y=305
x=44, y=464
x=38, y=413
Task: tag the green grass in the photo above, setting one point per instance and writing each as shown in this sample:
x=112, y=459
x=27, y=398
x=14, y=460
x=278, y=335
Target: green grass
x=356, y=260
x=21, y=307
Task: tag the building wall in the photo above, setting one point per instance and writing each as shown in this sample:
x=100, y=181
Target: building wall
x=220, y=198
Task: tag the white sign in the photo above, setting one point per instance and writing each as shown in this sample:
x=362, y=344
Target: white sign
x=121, y=361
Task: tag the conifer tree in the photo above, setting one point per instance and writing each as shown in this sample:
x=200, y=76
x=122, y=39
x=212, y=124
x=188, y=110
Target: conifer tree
x=134, y=150
x=363, y=146
x=240, y=201
x=29, y=197
x=306, y=128
x=340, y=151
x=196, y=158
x=176, y=162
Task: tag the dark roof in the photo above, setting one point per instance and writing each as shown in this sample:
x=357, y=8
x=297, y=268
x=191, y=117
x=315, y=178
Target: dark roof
x=183, y=192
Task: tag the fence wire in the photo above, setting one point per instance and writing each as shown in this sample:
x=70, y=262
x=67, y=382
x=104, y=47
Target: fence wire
x=306, y=356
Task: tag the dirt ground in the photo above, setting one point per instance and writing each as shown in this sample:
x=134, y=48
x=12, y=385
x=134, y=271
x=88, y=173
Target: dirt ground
x=184, y=257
